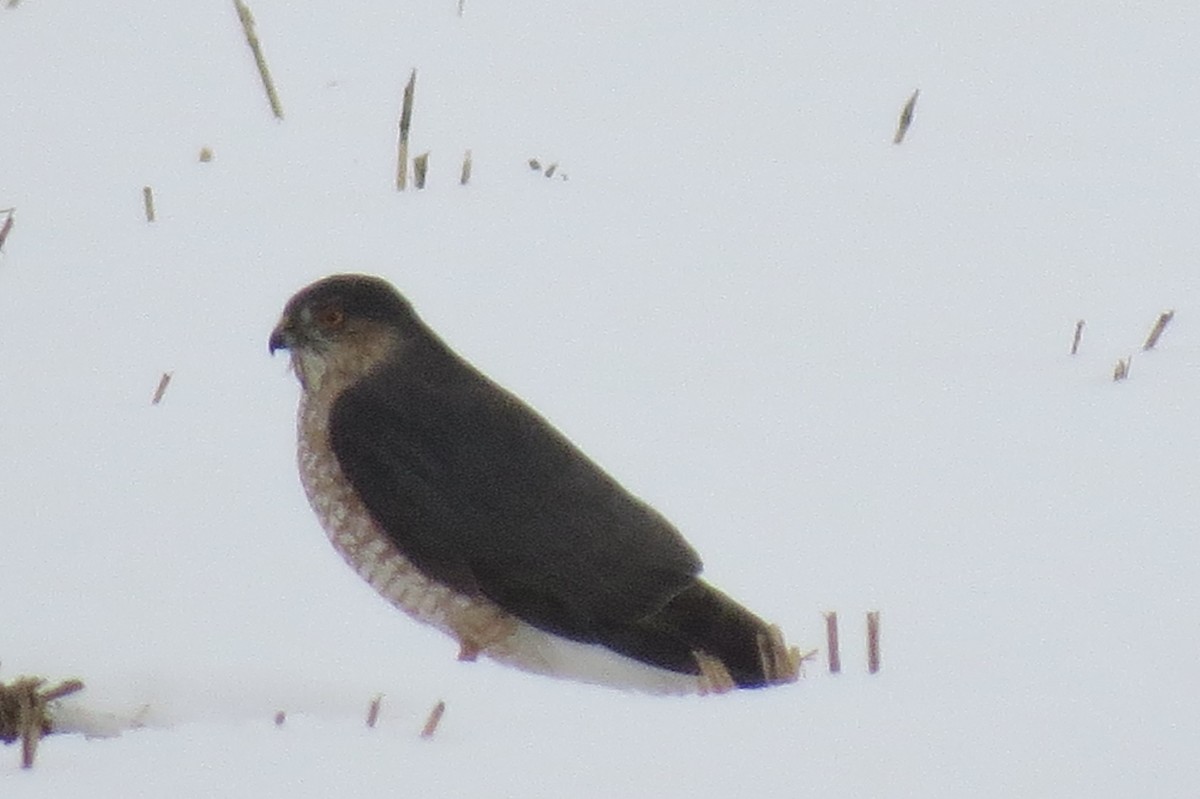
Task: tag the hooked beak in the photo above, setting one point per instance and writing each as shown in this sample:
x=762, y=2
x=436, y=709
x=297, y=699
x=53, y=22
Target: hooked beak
x=281, y=337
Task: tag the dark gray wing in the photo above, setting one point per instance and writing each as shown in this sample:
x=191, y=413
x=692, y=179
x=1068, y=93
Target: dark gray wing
x=482, y=493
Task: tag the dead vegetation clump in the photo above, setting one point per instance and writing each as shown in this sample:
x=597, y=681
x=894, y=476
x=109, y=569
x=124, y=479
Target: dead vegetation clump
x=1121, y=369
x=25, y=712
x=547, y=171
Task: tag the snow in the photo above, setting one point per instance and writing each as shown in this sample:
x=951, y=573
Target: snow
x=838, y=365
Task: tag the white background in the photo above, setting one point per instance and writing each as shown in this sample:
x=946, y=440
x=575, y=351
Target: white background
x=838, y=365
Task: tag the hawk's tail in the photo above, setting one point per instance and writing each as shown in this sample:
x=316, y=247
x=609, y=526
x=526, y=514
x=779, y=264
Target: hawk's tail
x=701, y=630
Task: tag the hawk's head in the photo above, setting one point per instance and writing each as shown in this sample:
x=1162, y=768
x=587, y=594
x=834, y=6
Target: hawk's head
x=343, y=326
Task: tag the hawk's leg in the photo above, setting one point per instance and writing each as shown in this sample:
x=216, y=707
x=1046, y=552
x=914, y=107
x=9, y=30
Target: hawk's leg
x=478, y=627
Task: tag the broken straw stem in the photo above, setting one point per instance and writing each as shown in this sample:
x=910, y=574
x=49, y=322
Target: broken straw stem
x=373, y=710
x=148, y=202
x=260, y=61
x=163, y=382
x=405, y=122
x=420, y=168
x=831, y=646
x=1078, y=336
x=906, y=117
x=435, y=718
x=464, y=177
x=1157, y=330
x=7, y=227
x=873, y=641
x=1121, y=370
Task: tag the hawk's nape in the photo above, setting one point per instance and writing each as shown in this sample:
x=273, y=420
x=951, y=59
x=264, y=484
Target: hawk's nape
x=471, y=512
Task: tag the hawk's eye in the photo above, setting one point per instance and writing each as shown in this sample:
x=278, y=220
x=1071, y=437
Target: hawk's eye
x=330, y=317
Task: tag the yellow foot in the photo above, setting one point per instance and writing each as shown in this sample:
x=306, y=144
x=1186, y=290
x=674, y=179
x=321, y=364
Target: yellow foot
x=714, y=677
x=781, y=663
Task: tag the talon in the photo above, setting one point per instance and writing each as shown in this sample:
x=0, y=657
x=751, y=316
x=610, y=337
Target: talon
x=468, y=651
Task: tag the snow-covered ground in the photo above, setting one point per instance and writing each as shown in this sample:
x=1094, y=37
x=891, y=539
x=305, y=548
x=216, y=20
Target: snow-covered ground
x=838, y=365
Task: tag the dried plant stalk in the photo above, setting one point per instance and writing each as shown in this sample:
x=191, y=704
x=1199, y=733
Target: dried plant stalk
x=260, y=61
x=405, y=123
x=163, y=382
x=906, y=117
x=1121, y=370
x=1157, y=330
x=1078, y=336
x=873, y=641
x=7, y=227
x=31, y=727
x=464, y=177
x=434, y=719
x=64, y=688
x=831, y=639
x=373, y=710
x=420, y=168
x=148, y=202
